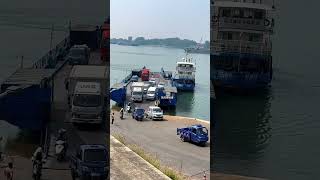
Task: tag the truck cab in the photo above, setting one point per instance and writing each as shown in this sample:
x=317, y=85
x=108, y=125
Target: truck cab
x=90, y=162
x=105, y=42
x=145, y=74
x=88, y=103
x=137, y=94
x=195, y=134
x=78, y=55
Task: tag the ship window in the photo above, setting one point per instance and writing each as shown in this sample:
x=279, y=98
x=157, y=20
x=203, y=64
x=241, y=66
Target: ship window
x=258, y=15
x=226, y=12
x=229, y=36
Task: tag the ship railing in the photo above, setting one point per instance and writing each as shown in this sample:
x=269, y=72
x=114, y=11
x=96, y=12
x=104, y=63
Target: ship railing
x=244, y=76
x=266, y=24
x=52, y=56
x=238, y=46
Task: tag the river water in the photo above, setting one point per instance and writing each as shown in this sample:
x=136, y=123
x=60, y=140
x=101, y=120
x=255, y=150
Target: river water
x=190, y=104
x=25, y=30
x=274, y=134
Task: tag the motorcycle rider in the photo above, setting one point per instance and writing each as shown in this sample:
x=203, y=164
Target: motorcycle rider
x=63, y=137
x=8, y=171
x=37, y=158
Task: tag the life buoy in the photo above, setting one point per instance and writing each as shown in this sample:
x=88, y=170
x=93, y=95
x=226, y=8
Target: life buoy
x=266, y=22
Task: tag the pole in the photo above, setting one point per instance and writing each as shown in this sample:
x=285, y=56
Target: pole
x=21, y=63
x=51, y=37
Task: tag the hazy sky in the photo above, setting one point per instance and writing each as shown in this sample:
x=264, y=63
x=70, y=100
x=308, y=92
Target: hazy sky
x=160, y=18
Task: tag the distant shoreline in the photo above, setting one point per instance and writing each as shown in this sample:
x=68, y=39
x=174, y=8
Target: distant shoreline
x=166, y=42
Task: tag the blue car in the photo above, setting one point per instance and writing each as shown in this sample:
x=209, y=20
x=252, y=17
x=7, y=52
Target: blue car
x=138, y=114
x=134, y=78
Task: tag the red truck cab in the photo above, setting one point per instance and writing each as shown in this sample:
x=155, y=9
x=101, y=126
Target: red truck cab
x=145, y=73
x=105, y=42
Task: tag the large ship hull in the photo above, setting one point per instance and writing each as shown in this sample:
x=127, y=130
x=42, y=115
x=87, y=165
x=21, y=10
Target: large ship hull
x=183, y=85
x=231, y=78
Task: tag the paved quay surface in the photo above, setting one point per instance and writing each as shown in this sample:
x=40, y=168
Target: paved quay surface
x=122, y=158
x=159, y=138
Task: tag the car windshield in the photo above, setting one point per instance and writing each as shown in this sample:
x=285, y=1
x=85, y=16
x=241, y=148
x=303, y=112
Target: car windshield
x=92, y=155
x=140, y=111
x=87, y=100
x=156, y=110
x=77, y=52
x=202, y=131
x=151, y=92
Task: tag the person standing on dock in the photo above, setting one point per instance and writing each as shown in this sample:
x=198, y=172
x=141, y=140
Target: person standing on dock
x=121, y=113
x=112, y=117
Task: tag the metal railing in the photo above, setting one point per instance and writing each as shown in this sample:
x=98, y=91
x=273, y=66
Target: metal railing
x=242, y=23
x=53, y=54
x=238, y=46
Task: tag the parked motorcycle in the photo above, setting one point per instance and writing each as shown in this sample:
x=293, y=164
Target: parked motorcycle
x=61, y=145
x=37, y=169
x=129, y=108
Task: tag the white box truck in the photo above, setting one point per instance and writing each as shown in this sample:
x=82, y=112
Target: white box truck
x=137, y=94
x=87, y=88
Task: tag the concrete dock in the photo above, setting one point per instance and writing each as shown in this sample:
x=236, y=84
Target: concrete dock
x=159, y=138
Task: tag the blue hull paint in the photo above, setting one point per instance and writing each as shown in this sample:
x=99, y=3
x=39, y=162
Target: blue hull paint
x=28, y=108
x=240, y=80
x=183, y=86
x=168, y=102
x=118, y=95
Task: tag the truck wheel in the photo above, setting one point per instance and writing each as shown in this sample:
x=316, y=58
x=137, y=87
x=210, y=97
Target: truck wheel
x=182, y=138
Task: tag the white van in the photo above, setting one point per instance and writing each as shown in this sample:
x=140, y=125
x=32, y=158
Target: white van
x=151, y=93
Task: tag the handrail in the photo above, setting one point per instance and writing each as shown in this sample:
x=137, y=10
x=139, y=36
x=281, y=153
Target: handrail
x=238, y=46
x=243, y=23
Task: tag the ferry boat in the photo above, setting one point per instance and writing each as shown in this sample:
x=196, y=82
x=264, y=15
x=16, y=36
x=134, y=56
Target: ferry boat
x=241, y=43
x=184, y=78
x=166, y=94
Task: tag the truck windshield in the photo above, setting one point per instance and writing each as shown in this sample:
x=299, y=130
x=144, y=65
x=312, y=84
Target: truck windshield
x=86, y=100
x=137, y=93
x=202, y=131
x=92, y=155
x=77, y=52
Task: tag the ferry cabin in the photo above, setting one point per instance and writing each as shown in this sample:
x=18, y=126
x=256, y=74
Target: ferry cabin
x=241, y=41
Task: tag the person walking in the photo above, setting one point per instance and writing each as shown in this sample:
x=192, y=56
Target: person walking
x=112, y=117
x=8, y=171
x=1, y=148
x=121, y=113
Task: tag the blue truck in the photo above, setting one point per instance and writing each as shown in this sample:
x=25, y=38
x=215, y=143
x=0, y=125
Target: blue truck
x=197, y=134
x=90, y=162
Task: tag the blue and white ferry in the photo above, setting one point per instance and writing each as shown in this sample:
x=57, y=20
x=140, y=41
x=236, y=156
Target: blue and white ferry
x=184, y=77
x=241, y=44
